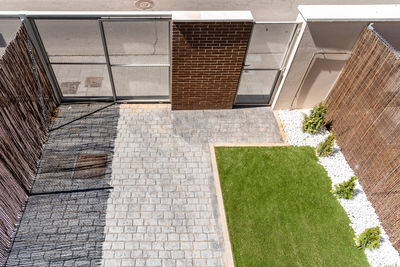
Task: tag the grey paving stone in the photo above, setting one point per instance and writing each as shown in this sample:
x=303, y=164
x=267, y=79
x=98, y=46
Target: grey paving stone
x=165, y=156
x=62, y=226
x=162, y=208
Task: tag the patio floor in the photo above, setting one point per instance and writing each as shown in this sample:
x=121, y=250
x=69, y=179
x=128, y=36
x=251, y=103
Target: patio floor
x=132, y=185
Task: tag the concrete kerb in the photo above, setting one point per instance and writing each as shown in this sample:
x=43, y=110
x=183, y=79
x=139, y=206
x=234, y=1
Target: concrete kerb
x=228, y=255
x=280, y=126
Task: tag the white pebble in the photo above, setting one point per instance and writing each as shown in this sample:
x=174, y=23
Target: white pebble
x=360, y=211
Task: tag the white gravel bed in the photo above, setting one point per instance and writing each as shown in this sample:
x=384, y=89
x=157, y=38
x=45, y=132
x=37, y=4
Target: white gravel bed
x=360, y=211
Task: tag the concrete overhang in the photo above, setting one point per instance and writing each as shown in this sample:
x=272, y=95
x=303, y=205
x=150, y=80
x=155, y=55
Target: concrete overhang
x=370, y=13
x=201, y=16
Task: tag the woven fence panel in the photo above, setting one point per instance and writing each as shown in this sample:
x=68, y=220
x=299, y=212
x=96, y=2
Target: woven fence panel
x=22, y=130
x=364, y=109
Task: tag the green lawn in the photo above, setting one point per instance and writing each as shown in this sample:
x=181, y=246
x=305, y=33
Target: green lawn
x=280, y=211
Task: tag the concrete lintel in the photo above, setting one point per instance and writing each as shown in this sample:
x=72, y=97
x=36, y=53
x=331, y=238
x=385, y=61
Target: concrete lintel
x=327, y=13
x=176, y=15
x=86, y=14
x=204, y=16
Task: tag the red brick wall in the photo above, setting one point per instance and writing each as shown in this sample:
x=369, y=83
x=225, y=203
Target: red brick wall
x=207, y=59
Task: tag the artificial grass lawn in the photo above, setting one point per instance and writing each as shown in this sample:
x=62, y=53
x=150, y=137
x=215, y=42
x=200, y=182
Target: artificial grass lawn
x=279, y=209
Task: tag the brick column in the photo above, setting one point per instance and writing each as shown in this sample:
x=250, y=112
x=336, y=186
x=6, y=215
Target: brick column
x=207, y=59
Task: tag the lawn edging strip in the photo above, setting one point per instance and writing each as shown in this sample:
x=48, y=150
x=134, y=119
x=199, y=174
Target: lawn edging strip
x=228, y=255
x=280, y=126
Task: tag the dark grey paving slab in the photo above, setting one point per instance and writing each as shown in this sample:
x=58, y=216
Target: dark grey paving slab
x=64, y=219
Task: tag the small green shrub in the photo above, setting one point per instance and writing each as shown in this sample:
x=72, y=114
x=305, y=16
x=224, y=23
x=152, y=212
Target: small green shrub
x=325, y=148
x=312, y=123
x=368, y=239
x=345, y=189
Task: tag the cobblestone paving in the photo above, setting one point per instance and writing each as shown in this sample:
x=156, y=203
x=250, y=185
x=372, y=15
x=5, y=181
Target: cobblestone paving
x=156, y=205
x=163, y=210
x=63, y=223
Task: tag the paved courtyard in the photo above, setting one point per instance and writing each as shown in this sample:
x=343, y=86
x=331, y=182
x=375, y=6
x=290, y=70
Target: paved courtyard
x=154, y=203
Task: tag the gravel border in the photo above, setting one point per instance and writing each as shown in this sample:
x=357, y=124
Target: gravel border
x=360, y=211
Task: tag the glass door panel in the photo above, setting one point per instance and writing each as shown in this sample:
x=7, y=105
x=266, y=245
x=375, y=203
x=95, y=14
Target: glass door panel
x=139, y=54
x=256, y=86
x=82, y=80
x=76, y=54
x=91, y=57
x=71, y=40
x=8, y=29
x=265, y=57
x=268, y=44
x=137, y=41
x=141, y=82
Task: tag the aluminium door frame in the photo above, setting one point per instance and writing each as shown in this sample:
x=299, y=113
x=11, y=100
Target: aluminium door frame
x=67, y=99
x=28, y=19
x=105, y=48
x=36, y=39
x=139, y=99
x=279, y=70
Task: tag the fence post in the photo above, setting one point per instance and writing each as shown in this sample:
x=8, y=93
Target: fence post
x=36, y=42
x=36, y=76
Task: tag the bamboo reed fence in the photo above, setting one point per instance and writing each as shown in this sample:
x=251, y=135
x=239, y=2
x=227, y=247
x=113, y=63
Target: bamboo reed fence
x=22, y=130
x=364, y=109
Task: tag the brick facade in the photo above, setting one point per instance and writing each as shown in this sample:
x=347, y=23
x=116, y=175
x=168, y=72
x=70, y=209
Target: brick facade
x=207, y=59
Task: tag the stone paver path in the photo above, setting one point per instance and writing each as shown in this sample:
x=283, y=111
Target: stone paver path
x=64, y=219
x=156, y=205
x=163, y=210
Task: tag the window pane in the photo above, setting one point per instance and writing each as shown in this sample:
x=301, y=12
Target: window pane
x=142, y=82
x=8, y=29
x=256, y=86
x=137, y=42
x=268, y=44
x=83, y=80
x=71, y=40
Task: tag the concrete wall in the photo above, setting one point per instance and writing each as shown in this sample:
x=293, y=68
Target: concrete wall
x=8, y=29
x=390, y=31
x=320, y=57
x=319, y=78
x=314, y=68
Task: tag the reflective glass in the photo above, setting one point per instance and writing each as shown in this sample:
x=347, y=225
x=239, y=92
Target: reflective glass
x=256, y=86
x=8, y=29
x=71, y=40
x=142, y=82
x=268, y=45
x=83, y=80
x=137, y=42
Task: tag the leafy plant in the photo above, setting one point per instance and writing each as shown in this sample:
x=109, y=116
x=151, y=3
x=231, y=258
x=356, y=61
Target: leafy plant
x=368, y=239
x=312, y=123
x=325, y=148
x=345, y=189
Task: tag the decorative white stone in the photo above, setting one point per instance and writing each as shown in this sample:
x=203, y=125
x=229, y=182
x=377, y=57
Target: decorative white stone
x=360, y=211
